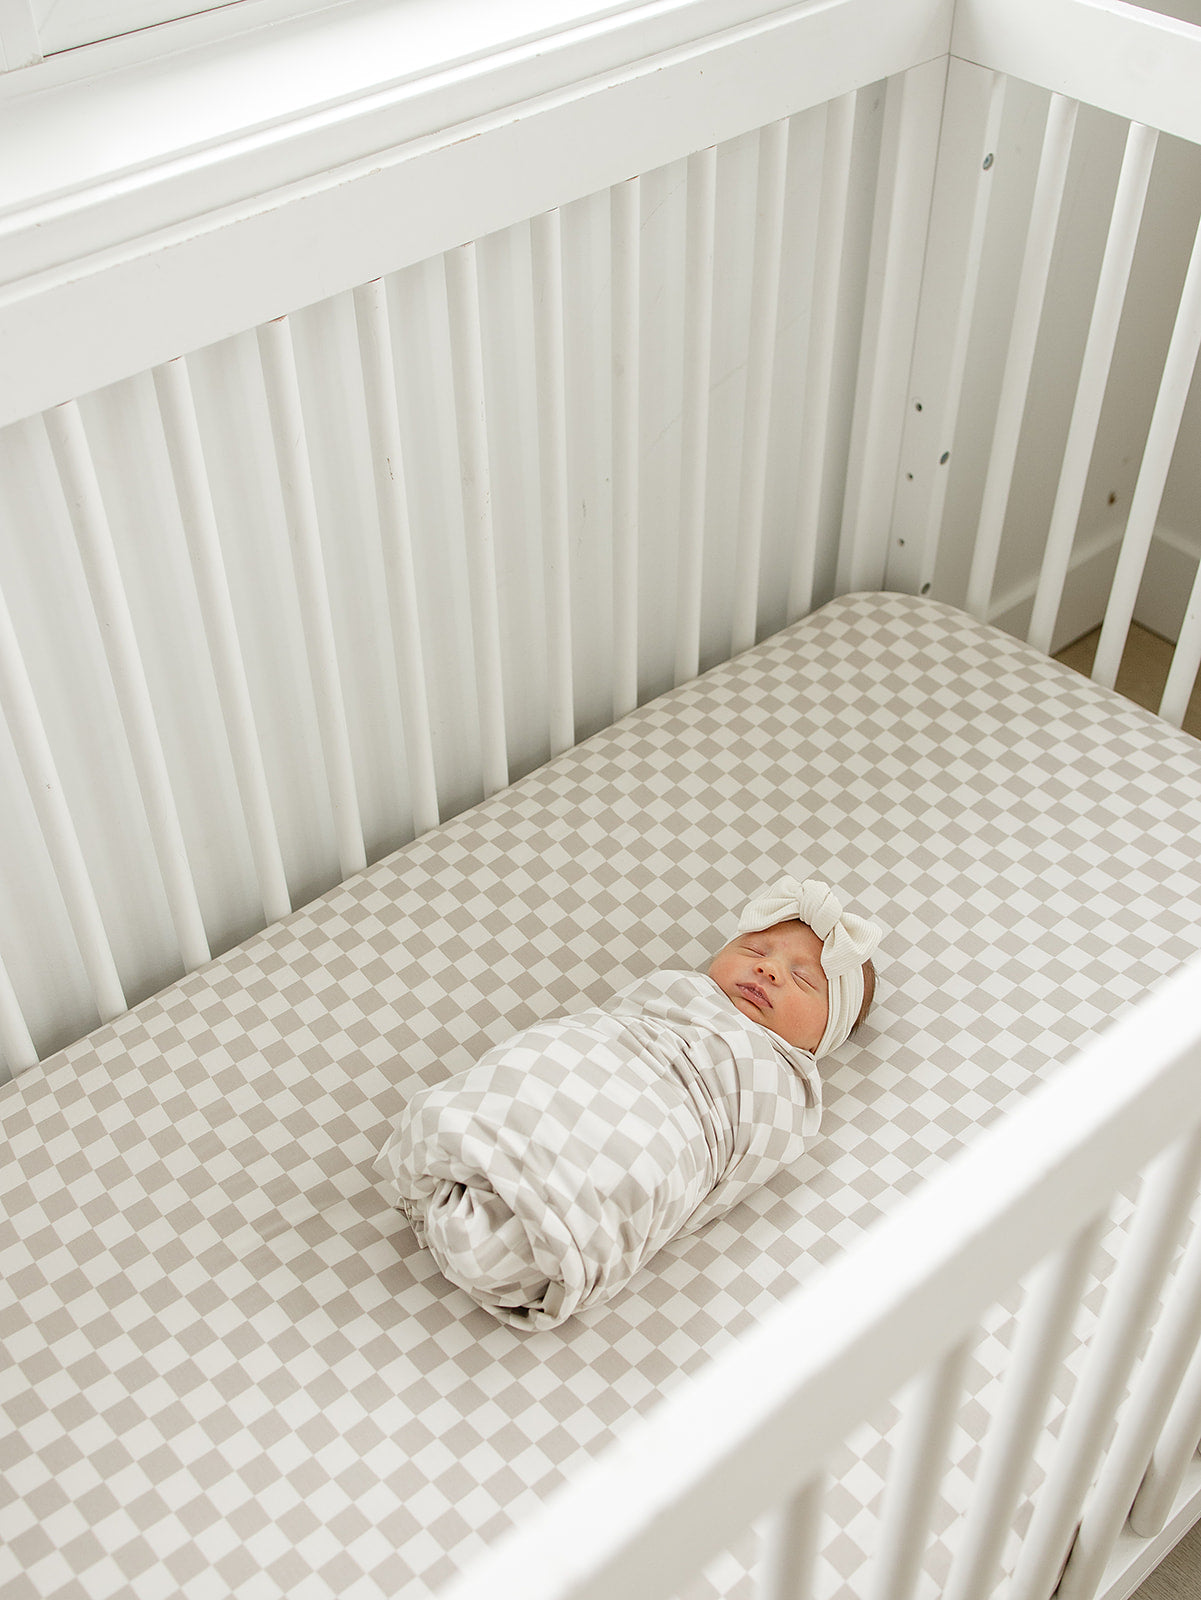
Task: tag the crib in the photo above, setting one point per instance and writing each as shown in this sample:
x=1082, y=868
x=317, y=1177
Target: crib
x=465, y=512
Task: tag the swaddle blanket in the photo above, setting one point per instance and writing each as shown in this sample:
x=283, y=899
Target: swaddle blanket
x=545, y=1175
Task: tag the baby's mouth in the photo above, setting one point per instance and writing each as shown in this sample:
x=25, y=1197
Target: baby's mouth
x=755, y=995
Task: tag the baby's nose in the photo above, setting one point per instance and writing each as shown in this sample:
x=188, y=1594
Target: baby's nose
x=767, y=967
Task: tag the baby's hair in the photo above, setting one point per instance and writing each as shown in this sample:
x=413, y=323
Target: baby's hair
x=869, y=993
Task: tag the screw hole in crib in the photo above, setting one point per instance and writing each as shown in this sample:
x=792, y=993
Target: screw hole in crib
x=988, y=161
x=925, y=588
x=944, y=458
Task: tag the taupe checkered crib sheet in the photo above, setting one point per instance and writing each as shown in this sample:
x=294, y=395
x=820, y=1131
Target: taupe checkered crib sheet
x=228, y=1370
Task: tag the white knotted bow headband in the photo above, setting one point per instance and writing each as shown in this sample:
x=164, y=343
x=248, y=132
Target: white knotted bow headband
x=847, y=942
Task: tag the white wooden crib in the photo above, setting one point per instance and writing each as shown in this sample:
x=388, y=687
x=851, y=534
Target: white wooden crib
x=384, y=454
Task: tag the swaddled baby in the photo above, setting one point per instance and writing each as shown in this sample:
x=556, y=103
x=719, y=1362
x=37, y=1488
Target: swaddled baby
x=545, y=1175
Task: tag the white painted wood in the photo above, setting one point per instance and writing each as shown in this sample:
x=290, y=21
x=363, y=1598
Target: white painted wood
x=625, y=223
x=963, y=190
x=1174, y=1339
x=913, y=112
x=186, y=452
x=1168, y=1190
x=820, y=355
x=300, y=509
x=1019, y=362
x=790, y=1544
x=342, y=405
x=1179, y=366
x=1046, y=1320
x=1094, y=372
x=467, y=360
x=547, y=254
x=1186, y=660
x=391, y=498
x=1176, y=1446
x=64, y=428
x=28, y=734
x=20, y=45
x=763, y=1416
x=915, y=1474
x=1127, y=59
x=1135, y=1558
x=17, y=1050
x=765, y=300
x=181, y=258
x=72, y=23
x=698, y=351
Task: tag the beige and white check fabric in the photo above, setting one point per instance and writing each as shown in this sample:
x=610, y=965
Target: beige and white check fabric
x=545, y=1175
x=229, y=1370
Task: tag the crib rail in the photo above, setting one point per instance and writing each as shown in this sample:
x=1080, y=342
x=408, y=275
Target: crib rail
x=751, y=1435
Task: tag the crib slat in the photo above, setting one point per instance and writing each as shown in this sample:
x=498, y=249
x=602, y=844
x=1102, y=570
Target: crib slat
x=1186, y=660
x=1169, y=1189
x=391, y=498
x=1094, y=371
x=58, y=830
x=1178, y=369
x=300, y=509
x=698, y=348
x=178, y=413
x=16, y=1044
x=913, y=113
x=625, y=223
x=1173, y=1341
x=467, y=360
x=819, y=359
x=951, y=277
x=1174, y=1449
x=1046, y=1321
x=790, y=1544
x=64, y=426
x=1019, y=360
x=760, y=367
x=915, y=1476
x=957, y=365
x=547, y=257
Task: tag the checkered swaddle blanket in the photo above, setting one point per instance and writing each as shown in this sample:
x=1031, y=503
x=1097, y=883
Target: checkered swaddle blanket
x=545, y=1175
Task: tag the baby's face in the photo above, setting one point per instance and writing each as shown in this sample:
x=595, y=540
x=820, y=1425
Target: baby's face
x=776, y=978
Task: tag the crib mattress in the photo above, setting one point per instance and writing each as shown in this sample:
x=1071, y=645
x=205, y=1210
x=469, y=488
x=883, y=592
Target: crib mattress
x=228, y=1370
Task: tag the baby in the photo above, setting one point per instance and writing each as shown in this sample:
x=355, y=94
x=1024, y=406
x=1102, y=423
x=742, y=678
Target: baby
x=544, y=1176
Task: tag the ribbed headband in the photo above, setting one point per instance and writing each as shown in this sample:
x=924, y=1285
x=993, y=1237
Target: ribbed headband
x=847, y=942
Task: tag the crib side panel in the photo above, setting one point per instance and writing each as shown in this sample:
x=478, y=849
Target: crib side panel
x=365, y=570
x=1048, y=479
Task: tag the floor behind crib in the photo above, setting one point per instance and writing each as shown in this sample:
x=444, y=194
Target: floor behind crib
x=1141, y=677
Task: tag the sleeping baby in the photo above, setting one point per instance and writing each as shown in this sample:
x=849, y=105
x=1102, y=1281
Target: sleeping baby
x=543, y=1177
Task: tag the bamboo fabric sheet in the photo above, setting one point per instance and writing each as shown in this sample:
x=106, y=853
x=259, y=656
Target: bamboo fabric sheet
x=543, y=1177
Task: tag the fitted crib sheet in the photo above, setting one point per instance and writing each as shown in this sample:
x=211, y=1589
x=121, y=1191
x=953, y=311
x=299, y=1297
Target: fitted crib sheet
x=227, y=1368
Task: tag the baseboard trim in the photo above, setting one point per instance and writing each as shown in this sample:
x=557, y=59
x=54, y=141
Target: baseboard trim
x=1163, y=594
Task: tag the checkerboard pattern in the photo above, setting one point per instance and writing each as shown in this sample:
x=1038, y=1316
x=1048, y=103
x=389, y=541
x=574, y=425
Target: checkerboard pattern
x=227, y=1369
